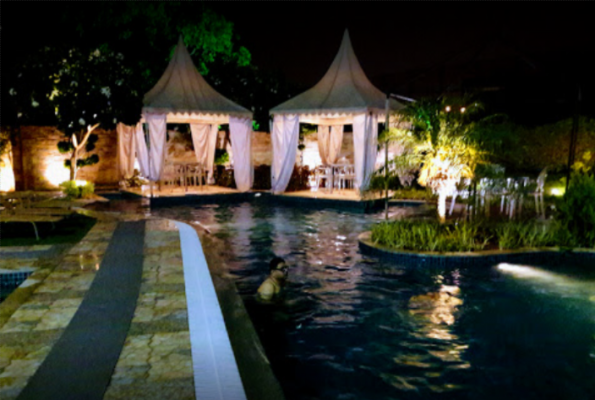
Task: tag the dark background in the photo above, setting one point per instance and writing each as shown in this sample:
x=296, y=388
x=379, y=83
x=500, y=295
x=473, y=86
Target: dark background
x=525, y=59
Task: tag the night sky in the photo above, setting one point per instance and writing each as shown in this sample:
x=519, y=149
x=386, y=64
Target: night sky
x=413, y=49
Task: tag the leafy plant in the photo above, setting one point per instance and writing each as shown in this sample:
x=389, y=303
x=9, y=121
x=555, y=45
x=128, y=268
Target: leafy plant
x=135, y=180
x=447, y=146
x=77, y=189
x=430, y=236
x=221, y=157
x=576, y=211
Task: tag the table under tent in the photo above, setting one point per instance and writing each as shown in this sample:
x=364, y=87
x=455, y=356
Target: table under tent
x=182, y=96
x=344, y=96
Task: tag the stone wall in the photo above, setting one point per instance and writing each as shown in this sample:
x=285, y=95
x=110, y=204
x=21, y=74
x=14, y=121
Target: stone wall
x=40, y=166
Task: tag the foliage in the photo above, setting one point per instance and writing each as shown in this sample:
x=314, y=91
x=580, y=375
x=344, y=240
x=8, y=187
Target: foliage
x=404, y=166
x=77, y=189
x=155, y=26
x=135, y=180
x=444, y=136
x=524, y=149
x=429, y=236
x=82, y=88
x=414, y=194
x=221, y=157
x=516, y=235
x=576, y=212
x=473, y=236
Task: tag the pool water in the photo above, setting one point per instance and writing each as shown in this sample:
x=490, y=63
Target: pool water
x=354, y=327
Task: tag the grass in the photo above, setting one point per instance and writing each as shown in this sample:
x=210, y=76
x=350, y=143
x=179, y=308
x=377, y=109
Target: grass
x=70, y=230
x=469, y=236
x=414, y=194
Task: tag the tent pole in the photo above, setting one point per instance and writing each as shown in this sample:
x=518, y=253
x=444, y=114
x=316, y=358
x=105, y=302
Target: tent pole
x=146, y=129
x=386, y=125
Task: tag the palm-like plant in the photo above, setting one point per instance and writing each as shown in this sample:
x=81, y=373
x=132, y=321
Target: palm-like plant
x=446, y=148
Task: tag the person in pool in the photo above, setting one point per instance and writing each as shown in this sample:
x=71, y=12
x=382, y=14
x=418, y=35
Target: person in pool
x=272, y=286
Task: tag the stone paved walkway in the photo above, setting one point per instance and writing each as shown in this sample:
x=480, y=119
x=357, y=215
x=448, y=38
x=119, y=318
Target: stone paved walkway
x=155, y=361
x=58, y=287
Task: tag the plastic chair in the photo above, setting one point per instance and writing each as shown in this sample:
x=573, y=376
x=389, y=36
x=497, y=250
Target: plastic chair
x=324, y=172
x=538, y=193
x=462, y=191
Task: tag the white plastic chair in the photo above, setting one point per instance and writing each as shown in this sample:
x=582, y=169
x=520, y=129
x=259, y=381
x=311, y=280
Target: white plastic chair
x=462, y=191
x=324, y=172
x=538, y=193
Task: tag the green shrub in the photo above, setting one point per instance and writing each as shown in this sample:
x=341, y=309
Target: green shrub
x=414, y=194
x=221, y=157
x=516, y=235
x=468, y=236
x=576, y=211
x=430, y=236
x=77, y=189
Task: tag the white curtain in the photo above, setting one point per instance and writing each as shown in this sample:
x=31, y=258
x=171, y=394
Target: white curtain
x=285, y=141
x=157, y=139
x=125, y=150
x=142, y=154
x=330, y=140
x=204, y=140
x=365, y=139
x=240, y=131
x=277, y=142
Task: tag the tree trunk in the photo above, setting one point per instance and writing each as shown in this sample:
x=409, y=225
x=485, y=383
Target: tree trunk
x=442, y=206
x=73, y=158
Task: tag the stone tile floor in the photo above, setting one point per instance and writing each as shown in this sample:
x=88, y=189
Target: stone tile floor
x=156, y=359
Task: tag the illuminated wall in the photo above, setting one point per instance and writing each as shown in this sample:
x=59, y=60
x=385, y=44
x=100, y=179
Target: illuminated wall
x=41, y=166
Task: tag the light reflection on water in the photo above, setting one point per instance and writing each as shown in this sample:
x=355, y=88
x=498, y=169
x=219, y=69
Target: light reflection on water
x=351, y=326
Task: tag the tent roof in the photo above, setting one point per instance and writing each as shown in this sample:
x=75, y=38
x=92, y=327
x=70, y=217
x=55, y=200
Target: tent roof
x=344, y=90
x=184, y=95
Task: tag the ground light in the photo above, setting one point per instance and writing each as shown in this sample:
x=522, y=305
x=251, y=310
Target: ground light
x=56, y=173
x=562, y=284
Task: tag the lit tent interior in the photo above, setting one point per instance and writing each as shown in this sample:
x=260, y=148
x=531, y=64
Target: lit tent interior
x=343, y=96
x=183, y=96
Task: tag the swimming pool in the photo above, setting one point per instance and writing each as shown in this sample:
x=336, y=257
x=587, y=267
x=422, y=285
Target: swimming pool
x=354, y=327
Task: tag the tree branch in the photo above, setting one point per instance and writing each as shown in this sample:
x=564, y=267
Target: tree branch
x=86, y=137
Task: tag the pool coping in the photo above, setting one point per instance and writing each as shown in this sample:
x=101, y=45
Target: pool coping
x=484, y=256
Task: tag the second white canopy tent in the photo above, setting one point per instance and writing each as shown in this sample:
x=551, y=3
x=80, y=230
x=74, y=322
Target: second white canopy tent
x=343, y=96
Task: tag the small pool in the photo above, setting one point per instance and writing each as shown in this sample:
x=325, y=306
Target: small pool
x=9, y=281
x=354, y=327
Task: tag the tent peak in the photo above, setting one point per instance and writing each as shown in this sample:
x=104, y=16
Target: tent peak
x=182, y=89
x=344, y=88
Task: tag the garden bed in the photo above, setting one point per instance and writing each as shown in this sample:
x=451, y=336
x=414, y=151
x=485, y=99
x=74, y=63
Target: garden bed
x=480, y=257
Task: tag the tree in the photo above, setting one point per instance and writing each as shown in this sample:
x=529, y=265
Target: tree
x=85, y=90
x=447, y=147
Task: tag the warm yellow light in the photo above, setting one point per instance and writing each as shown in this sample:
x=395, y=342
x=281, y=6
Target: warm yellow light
x=463, y=109
x=6, y=176
x=56, y=173
x=447, y=108
x=80, y=183
x=557, y=191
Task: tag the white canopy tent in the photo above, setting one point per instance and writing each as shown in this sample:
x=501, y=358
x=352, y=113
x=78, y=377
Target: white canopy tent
x=343, y=96
x=183, y=96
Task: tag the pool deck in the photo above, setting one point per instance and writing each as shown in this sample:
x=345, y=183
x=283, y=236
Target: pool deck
x=146, y=353
x=346, y=200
